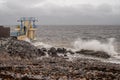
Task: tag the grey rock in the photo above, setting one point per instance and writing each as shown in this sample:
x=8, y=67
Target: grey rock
x=100, y=54
x=21, y=48
x=52, y=52
x=61, y=50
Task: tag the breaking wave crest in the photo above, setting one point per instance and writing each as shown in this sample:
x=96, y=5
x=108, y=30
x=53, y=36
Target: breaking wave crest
x=96, y=45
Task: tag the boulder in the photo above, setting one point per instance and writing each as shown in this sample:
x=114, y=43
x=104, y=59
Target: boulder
x=52, y=52
x=21, y=48
x=100, y=54
x=44, y=49
x=41, y=52
x=61, y=50
x=71, y=52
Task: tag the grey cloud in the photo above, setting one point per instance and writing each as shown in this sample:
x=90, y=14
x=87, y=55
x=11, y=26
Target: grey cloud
x=55, y=14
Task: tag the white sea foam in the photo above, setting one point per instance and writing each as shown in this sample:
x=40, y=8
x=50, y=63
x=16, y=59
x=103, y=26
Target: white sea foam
x=28, y=40
x=96, y=45
x=41, y=44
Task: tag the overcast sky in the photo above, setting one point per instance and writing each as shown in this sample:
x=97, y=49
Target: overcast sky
x=70, y=12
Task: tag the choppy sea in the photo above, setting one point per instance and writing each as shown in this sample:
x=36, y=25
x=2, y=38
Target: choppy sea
x=92, y=37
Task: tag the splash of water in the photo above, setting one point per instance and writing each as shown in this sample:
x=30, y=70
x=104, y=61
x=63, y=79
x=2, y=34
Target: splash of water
x=28, y=40
x=96, y=45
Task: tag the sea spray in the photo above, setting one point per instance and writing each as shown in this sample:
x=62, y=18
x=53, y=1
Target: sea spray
x=96, y=45
x=27, y=40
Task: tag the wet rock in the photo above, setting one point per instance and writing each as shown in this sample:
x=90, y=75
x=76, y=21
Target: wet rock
x=21, y=48
x=44, y=49
x=41, y=52
x=65, y=55
x=61, y=50
x=52, y=52
x=100, y=54
x=71, y=52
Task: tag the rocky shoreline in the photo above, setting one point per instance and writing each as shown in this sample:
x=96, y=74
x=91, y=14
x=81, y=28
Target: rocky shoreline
x=22, y=61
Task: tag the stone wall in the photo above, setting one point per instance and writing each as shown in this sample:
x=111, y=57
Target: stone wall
x=4, y=31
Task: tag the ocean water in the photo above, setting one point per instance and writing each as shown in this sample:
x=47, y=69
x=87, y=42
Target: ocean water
x=76, y=37
x=66, y=36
